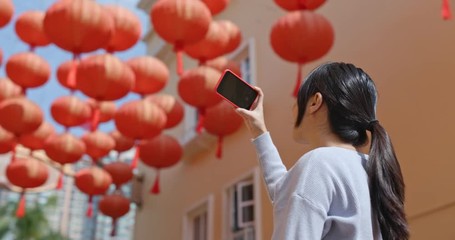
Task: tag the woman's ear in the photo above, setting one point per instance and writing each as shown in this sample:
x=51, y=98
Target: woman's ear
x=315, y=102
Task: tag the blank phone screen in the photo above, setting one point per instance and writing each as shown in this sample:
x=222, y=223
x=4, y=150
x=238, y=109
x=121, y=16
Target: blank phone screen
x=236, y=91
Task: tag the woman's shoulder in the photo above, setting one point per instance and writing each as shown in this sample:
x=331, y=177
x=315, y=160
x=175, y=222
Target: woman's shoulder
x=330, y=157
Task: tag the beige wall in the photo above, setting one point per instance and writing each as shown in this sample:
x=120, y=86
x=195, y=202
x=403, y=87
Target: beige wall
x=406, y=48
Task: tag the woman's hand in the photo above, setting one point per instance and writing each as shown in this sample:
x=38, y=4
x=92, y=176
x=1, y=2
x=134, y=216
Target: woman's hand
x=254, y=118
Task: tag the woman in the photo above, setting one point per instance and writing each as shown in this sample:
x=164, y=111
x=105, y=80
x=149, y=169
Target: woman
x=333, y=191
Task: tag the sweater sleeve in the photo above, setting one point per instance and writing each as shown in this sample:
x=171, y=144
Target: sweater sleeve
x=270, y=161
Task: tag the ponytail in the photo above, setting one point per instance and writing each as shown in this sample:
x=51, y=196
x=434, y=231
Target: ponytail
x=386, y=185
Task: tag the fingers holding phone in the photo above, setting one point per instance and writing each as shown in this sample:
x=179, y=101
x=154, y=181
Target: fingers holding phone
x=254, y=118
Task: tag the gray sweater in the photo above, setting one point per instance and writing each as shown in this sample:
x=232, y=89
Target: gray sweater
x=323, y=196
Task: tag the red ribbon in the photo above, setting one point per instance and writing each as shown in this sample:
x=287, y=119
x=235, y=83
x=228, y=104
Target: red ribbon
x=446, y=13
x=156, y=186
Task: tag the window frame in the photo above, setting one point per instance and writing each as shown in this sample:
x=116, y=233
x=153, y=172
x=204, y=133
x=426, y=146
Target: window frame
x=205, y=205
x=254, y=177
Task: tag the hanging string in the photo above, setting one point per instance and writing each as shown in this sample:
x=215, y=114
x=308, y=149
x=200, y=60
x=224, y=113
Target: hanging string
x=13, y=151
x=156, y=186
x=446, y=13
x=20, y=211
x=298, y=81
x=219, y=147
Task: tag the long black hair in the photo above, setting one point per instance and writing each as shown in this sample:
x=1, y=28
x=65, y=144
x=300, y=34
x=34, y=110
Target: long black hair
x=350, y=96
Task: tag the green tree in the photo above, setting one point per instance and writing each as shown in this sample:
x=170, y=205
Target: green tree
x=33, y=226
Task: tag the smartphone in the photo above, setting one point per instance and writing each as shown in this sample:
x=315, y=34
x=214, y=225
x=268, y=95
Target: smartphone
x=234, y=89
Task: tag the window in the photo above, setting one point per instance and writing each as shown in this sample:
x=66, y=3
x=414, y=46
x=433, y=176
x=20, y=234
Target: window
x=199, y=227
x=242, y=211
x=197, y=221
x=241, y=206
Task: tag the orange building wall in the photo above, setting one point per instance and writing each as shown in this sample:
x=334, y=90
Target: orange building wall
x=406, y=48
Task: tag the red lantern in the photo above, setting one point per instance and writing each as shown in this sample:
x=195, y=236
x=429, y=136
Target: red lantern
x=180, y=22
x=211, y=46
x=64, y=148
x=292, y=5
x=120, y=172
x=64, y=72
x=6, y=12
x=78, y=26
x=7, y=141
x=140, y=119
x=92, y=181
x=222, y=120
x=127, y=28
x=197, y=88
x=37, y=139
x=29, y=28
x=23, y=116
x=122, y=143
x=98, y=144
x=8, y=89
x=160, y=152
x=171, y=106
x=301, y=37
x=70, y=111
x=223, y=63
x=28, y=70
x=234, y=35
x=114, y=206
x=104, y=77
x=216, y=6
x=151, y=74
x=26, y=173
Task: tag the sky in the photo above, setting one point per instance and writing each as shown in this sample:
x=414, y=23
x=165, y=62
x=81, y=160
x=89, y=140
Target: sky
x=46, y=94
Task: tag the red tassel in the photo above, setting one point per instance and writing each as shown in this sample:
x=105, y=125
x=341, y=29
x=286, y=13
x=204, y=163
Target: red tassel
x=200, y=122
x=20, y=212
x=89, y=212
x=59, y=182
x=299, y=81
x=114, y=227
x=135, y=158
x=219, y=147
x=95, y=118
x=156, y=186
x=71, y=80
x=446, y=13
